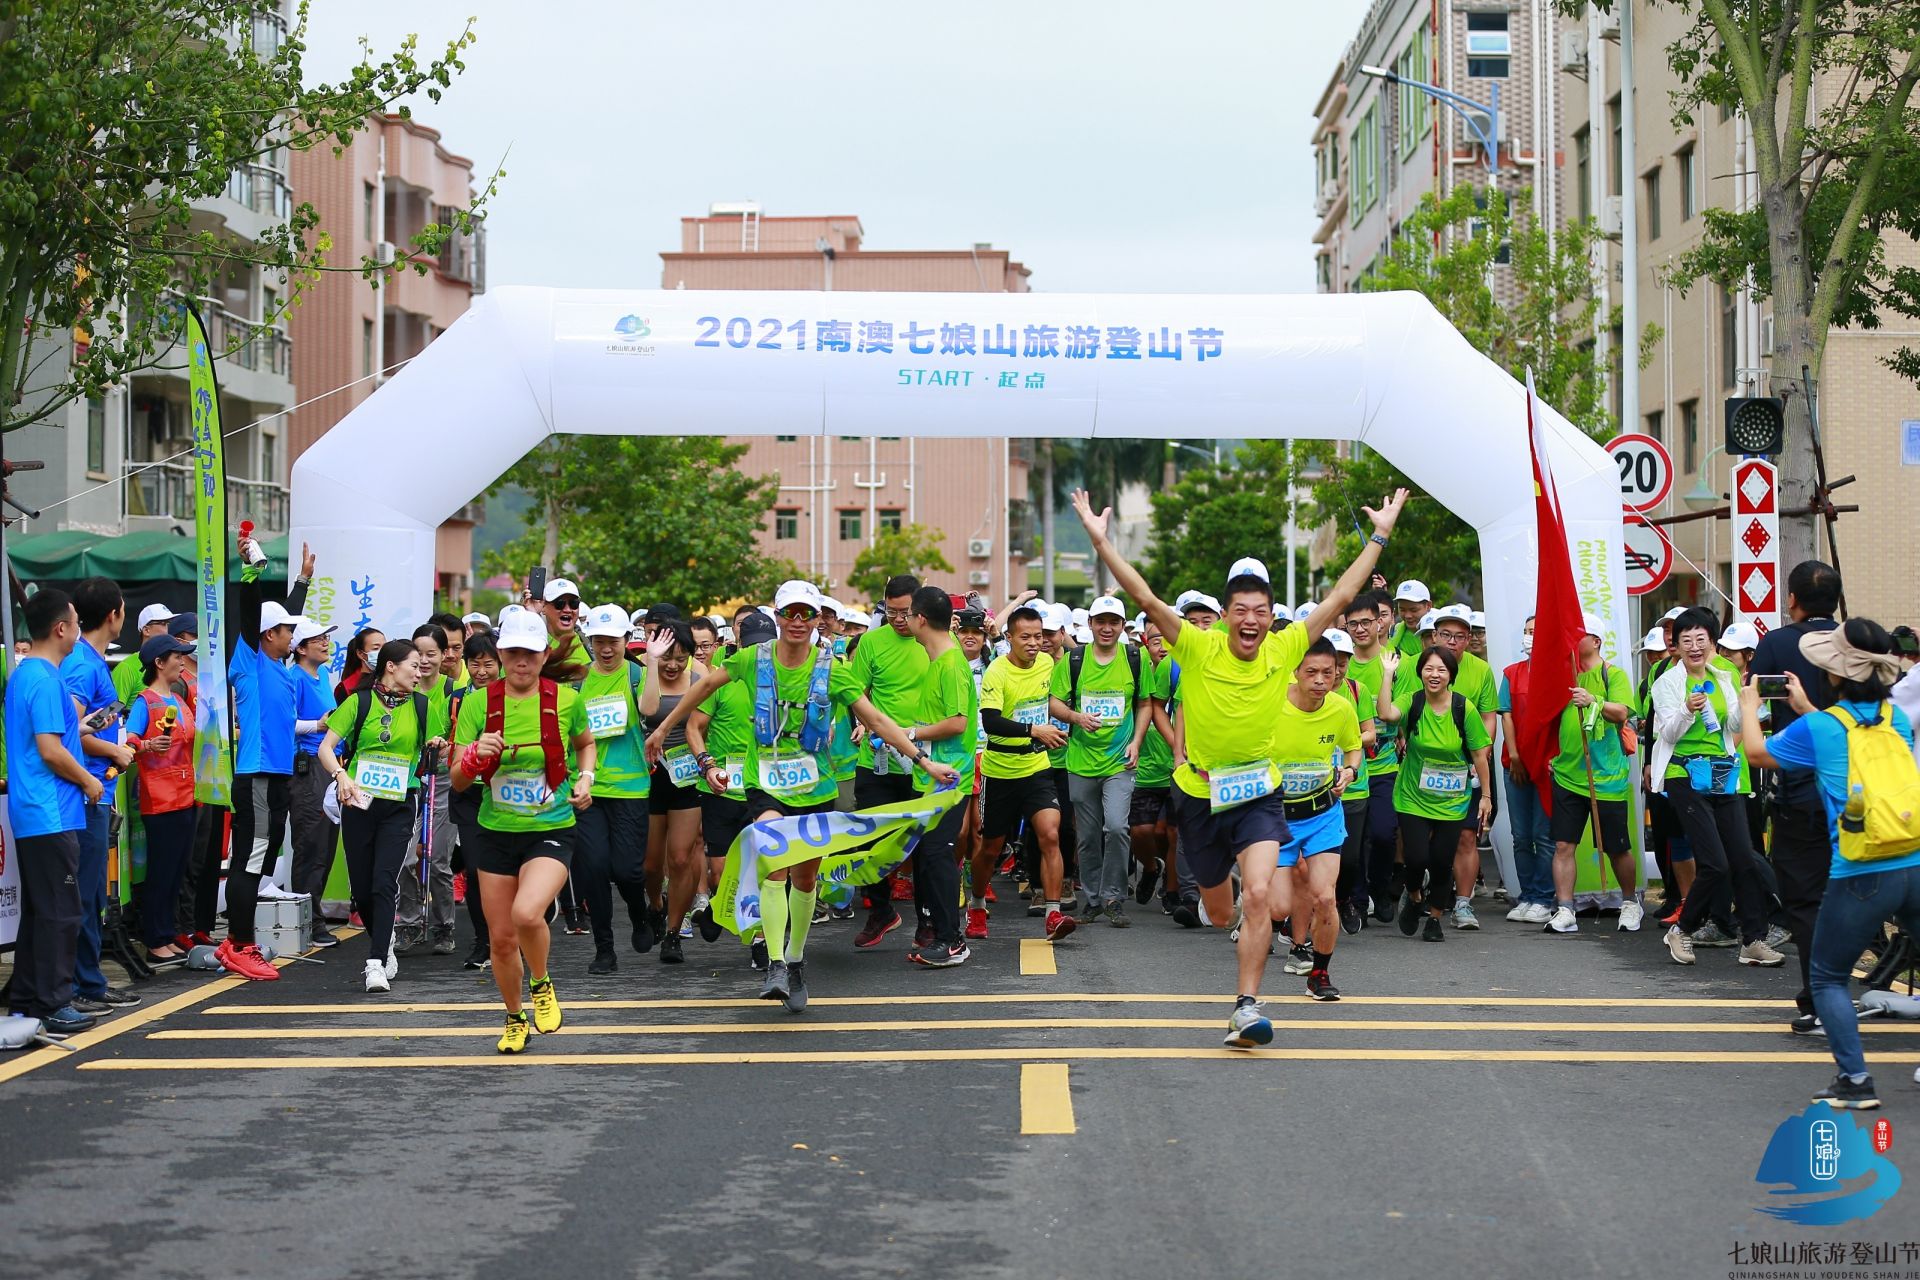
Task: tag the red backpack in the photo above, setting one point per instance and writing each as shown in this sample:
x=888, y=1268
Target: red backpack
x=551, y=744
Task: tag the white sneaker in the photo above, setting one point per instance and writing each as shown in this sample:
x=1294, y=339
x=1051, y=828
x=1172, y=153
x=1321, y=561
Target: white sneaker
x=1519, y=913
x=1538, y=913
x=392, y=968
x=1631, y=914
x=377, y=977
x=1562, y=921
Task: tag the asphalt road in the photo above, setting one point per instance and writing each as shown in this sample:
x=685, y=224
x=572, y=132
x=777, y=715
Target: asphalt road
x=1472, y=1108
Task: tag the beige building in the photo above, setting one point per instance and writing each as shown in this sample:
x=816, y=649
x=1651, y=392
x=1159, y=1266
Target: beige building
x=838, y=493
x=373, y=198
x=1718, y=343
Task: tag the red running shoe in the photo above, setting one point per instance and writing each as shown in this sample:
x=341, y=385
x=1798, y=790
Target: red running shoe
x=976, y=922
x=1059, y=925
x=247, y=962
x=991, y=895
x=875, y=929
x=902, y=889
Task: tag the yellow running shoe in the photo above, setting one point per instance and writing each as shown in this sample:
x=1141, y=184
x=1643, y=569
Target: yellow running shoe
x=546, y=1006
x=515, y=1038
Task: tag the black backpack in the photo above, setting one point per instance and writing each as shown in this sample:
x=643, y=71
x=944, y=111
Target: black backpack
x=351, y=743
x=1078, y=659
x=1459, y=719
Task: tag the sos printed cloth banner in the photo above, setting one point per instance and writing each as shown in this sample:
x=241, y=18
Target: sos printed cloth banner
x=855, y=849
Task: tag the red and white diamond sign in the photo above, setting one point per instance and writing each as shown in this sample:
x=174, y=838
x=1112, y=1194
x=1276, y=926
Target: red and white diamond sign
x=1756, y=543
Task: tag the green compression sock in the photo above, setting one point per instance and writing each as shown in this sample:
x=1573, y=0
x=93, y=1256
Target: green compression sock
x=773, y=918
x=801, y=906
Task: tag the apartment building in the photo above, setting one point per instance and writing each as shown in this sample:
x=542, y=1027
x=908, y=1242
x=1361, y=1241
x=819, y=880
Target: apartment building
x=373, y=198
x=838, y=494
x=117, y=462
x=1718, y=342
x=1380, y=143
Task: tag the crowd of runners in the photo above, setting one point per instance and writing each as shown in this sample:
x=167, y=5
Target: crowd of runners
x=1291, y=776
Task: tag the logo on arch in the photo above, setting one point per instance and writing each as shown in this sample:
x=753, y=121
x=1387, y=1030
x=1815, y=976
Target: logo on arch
x=630, y=333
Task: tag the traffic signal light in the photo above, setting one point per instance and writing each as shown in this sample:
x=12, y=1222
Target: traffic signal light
x=1756, y=426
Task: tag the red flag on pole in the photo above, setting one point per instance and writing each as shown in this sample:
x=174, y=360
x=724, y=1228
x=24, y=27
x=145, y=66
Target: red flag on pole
x=1557, y=622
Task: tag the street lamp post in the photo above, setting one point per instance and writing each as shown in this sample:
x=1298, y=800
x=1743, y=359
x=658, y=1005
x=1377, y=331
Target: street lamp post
x=1484, y=121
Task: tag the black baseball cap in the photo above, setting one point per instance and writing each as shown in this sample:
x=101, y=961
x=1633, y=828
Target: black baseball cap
x=183, y=624
x=755, y=628
x=971, y=619
x=158, y=647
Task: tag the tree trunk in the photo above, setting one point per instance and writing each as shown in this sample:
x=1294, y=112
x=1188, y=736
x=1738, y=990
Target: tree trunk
x=1794, y=345
x=1046, y=523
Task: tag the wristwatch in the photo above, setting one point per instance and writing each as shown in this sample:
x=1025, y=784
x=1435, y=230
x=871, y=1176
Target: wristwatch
x=920, y=753
x=1380, y=538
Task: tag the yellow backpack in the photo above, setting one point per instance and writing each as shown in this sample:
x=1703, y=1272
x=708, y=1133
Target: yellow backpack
x=1882, y=815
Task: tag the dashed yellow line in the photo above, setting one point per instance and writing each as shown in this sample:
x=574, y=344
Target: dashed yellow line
x=788, y=1027
x=1046, y=1101
x=1083, y=1054
x=1036, y=958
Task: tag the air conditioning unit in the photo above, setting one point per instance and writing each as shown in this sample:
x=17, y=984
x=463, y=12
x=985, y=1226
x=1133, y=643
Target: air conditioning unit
x=1573, y=51
x=1610, y=217
x=1610, y=22
x=383, y=253
x=978, y=577
x=979, y=548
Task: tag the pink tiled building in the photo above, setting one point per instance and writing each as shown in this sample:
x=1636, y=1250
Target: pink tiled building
x=393, y=180
x=837, y=493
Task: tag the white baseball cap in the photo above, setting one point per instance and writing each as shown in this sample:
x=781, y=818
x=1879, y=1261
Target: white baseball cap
x=273, y=615
x=1415, y=590
x=1478, y=620
x=1341, y=641
x=1080, y=617
x=523, y=630
x=1185, y=598
x=154, y=613
x=507, y=611
x=1305, y=611
x=1082, y=635
x=829, y=605
x=561, y=587
x=1202, y=600
x=1056, y=618
x=1106, y=605
x=1452, y=613
x=1427, y=621
x=305, y=629
x=1740, y=636
x=877, y=619
x=1655, y=641
x=797, y=591
x=1595, y=626
x=480, y=618
x=1248, y=565
x=607, y=620
x=1673, y=613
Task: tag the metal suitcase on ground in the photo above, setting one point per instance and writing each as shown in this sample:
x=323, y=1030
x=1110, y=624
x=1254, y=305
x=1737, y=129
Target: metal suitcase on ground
x=286, y=926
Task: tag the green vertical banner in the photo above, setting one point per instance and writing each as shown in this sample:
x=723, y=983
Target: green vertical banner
x=212, y=748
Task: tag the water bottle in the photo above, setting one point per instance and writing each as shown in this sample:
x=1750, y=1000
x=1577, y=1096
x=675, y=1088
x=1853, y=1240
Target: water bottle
x=1707, y=716
x=1853, y=819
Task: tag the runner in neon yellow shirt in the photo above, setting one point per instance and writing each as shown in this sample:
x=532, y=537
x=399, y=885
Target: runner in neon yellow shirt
x=1227, y=798
x=1015, y=696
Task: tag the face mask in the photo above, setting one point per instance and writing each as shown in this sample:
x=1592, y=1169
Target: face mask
x=1526, y=646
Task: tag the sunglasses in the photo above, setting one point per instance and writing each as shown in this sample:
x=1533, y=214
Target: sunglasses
x=386, y=728
x=798, y=613
x=567, y=604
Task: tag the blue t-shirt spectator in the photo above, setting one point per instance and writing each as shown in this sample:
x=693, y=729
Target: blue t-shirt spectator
x=1819, y=743
x=264, y=698
x=313, y=700
x=89, y=679
x=39, y=801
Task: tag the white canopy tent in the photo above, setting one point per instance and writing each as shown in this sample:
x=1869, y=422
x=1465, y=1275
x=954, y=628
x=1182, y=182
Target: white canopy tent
x=524, y=363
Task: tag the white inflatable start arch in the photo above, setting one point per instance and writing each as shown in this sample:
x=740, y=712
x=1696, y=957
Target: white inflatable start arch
x=525, y=363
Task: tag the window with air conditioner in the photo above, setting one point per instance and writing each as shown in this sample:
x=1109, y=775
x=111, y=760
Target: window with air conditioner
x=1489, y=46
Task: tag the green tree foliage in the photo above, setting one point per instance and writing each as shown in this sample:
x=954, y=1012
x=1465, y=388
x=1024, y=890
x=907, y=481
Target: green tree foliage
x=1210, y=518
x=116, y=116
x=1835, y=184
x=639, y=519
x=912, y=548
x=1515, y=293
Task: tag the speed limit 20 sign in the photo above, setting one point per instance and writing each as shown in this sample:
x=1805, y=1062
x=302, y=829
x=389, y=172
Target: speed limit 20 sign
x=1646, y=470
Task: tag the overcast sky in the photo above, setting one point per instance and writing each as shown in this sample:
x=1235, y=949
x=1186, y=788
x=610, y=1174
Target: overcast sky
x=1110, y=146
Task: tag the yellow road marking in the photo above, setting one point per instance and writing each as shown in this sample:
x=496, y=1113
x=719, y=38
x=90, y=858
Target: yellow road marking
x=1080, y=997
x=1046, y=1103
x=1036, y=957
x=1087, y=1054
x=1000, y=1024
x=139, y=1016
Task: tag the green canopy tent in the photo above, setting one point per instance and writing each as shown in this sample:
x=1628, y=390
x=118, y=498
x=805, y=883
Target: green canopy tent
x=146, y=556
